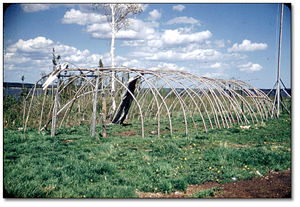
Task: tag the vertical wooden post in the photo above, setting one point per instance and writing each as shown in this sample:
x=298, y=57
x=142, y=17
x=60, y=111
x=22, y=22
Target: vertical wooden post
x=103, y=107
x=55, y=109
x=95, y=105
x=42, y=110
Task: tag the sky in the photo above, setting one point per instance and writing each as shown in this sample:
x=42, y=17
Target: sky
x=224, y=41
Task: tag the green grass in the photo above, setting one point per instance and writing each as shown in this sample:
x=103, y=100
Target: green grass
x=206, y=193
x=75, y=165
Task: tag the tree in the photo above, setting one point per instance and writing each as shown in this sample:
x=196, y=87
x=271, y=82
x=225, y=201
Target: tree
x=22, y=78
x=118, y=17
x=23, y=91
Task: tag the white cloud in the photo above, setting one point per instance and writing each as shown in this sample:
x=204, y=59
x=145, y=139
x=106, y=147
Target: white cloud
x=154, y=15
x=179, y=7
x=29, y=58
x=143, y=30
x=77, y=17
x=198, y=54
x=178, y=45
x=250, y=67
x=215, y=75
x=179, y=36
x=165, y=55
x=136, y=30
x=221, y=43
x=104, y=27
x=247, y=46
x=183, y=20
x=135, y=63
x=36, y=7
x=34, y=56
x=77, y=56
x=98, y=27
x=151, y=47
x=99, y=31
x=31, y=46
x=168, y=66
x=127, y=34
x=131, y=63
x=215, y=66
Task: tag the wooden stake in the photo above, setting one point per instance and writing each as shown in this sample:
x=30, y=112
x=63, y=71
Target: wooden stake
x=103, y=107
x=24, y=112
x=41, y=118
x=25, y=127
x=93, y=127
x=55, y=109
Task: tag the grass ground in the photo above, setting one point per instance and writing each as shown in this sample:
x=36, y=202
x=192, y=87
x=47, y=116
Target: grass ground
x=75, y=165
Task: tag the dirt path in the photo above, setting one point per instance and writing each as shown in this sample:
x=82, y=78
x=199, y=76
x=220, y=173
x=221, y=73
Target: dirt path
x=273, y=185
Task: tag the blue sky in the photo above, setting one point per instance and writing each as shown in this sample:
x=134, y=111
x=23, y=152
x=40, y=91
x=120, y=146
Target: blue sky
x=214, y=40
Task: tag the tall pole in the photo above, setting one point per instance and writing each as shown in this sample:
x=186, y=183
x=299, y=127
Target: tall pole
x=278, y=72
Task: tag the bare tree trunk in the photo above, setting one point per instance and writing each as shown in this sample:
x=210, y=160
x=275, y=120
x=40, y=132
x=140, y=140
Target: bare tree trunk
x=112, y=54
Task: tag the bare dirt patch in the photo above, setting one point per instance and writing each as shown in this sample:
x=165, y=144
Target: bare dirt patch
x=273, y=185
